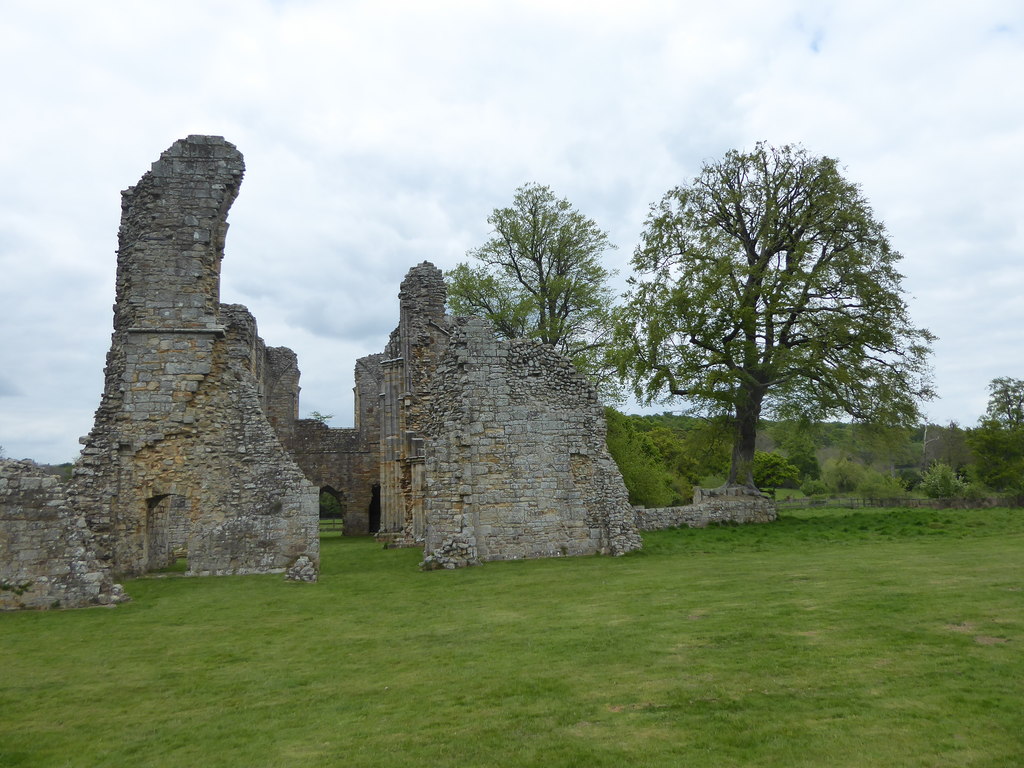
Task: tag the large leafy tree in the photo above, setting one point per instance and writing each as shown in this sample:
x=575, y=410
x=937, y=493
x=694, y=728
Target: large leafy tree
x=766, y=285
x=998, y=440
x=1006, y=402
x=540, y=276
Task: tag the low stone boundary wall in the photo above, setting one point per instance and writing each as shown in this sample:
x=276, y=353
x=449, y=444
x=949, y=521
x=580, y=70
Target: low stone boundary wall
x=728, y=510
x=46, y=555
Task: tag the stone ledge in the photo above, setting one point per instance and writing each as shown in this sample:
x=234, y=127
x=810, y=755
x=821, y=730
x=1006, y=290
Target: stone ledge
x=218, y=332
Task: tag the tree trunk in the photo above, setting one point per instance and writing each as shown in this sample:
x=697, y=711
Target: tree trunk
x=748, y=412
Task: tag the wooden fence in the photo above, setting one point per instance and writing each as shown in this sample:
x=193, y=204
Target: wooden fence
x=330, y=523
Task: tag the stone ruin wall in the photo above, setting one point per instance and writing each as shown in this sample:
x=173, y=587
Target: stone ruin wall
x=47, y=553
x=182, y=457
x=279, y=390
x=496, y=449
x=518, y=466
x=410, y=359
x=342, y=462
x=475, y=448
x=709, y=508
x=491, y=449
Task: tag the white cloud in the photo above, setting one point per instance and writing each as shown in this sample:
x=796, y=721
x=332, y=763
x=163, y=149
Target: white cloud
x=377, y=136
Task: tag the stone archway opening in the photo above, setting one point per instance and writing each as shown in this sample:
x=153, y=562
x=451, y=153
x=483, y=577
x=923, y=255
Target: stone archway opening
x=332, y=509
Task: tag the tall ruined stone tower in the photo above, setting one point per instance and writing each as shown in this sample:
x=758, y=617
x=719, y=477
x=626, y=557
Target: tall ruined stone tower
x=410, y=358
x=182, y=457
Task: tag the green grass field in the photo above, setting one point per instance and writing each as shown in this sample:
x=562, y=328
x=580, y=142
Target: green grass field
x=831, y=638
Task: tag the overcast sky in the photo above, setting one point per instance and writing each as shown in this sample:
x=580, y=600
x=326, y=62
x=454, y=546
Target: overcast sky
x=378, y=135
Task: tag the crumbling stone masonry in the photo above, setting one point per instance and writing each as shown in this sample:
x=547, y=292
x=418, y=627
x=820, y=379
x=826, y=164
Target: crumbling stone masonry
x=518, y=465
x=480, y=449
x=182, y=459
x=47, y=554
x=473, y=447
x=490, y=449
x=710, y=507
x=410, y=360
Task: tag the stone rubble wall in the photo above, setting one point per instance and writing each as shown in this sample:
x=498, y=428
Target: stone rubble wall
x=47, y=553
x=345, y=462
x=369, y=382
x=720, y=511
x=516, y=464
x=490, y=449
x=459, y=471
x=182, y=457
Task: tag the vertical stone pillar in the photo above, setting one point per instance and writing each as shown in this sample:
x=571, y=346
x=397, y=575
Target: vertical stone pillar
x=392, y=501
x=421, y=299
x=414, y=350
x=281, y=391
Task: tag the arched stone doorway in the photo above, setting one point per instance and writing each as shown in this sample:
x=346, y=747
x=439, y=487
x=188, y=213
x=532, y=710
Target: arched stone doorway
x=332, y=509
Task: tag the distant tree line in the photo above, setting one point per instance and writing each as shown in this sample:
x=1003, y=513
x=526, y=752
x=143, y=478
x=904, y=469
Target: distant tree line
x=663, y=456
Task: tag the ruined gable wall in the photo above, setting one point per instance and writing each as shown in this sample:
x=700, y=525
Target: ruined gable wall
x=517, y=464
x=181, y=455
x=491, y=449
x=369, y=382
x=47, y=554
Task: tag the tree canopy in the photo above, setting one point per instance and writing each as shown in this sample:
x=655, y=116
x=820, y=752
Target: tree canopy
x=1006, y=401
x=766, y=284
x=540, y=276
x=998, y=440
x=774, y=471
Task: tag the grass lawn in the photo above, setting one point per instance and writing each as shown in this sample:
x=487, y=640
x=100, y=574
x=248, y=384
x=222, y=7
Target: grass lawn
x=830, y=638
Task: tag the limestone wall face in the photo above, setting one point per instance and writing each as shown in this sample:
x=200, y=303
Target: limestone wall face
x=279, y=390
x=516, y=464
x=47, y=555
x=182, y=457
x=407, y=389
x=490, y=449
x=369, y=381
